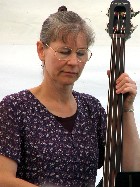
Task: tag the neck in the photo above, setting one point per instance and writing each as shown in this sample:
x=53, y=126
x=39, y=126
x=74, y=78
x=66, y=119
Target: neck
x=61, y=93
x=59, y=100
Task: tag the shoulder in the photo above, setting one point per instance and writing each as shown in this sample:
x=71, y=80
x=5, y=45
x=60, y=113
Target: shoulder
x=91, y=104
x=13, y=107
x=87, y=98
x=16, y=99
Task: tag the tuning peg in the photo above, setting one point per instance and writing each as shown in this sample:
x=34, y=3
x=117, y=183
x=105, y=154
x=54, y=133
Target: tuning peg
x=133, y=14
x=108, y=13
x=133, y=28
x=107, y=30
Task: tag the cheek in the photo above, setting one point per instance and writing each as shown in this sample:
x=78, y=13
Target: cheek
x=49, y=67
x=82, y=67
x=49, y=58
x=51, y=64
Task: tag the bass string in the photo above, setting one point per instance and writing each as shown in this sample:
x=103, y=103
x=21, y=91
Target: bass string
x=113, y=149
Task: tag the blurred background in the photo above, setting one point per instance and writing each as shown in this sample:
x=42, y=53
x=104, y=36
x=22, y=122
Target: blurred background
x=20, y=67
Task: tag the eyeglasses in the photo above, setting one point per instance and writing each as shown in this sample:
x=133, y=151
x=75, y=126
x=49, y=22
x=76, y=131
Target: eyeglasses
x=64, y=53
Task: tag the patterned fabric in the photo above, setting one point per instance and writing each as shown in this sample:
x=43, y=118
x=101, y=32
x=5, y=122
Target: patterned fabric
x=43, y=149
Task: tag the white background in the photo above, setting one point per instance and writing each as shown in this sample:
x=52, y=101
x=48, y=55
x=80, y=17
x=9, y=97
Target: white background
x=20, y=68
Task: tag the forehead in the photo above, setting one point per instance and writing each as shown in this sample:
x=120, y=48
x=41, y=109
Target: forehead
x=78, y=40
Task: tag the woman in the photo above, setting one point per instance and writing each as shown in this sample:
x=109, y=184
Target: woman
x=50, y=134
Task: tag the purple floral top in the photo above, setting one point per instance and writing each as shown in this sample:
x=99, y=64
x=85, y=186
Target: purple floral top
x=43, y=149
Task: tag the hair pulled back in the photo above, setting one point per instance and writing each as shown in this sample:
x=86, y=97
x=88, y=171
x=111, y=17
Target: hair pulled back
x=62, y=23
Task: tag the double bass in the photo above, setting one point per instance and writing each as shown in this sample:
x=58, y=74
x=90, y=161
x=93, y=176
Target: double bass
x=120, y=29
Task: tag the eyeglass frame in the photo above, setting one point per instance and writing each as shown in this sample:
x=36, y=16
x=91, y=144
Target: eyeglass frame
x=55, y=51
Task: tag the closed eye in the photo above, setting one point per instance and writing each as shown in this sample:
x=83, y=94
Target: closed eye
x=64, y=51
x=81, y=52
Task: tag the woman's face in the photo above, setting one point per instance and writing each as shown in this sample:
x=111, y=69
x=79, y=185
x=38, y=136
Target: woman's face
x=64, y=72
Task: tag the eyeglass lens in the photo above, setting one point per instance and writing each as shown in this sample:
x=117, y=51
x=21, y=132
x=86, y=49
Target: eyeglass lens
x=64, y=54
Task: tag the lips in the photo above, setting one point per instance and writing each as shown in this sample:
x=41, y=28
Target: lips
x=70, y=72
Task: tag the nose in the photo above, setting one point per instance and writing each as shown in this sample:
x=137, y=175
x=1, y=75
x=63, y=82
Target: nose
x=73, y=59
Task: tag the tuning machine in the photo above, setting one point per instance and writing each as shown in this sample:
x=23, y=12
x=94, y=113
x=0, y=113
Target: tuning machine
x=120, y=14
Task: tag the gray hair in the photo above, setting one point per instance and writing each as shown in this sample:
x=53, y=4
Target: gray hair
x=62, y=23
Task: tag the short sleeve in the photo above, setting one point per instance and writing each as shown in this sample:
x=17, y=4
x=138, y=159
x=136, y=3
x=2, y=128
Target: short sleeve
x=9, y=130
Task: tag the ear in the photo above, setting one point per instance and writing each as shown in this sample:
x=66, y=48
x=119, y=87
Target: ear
x=40, y=50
